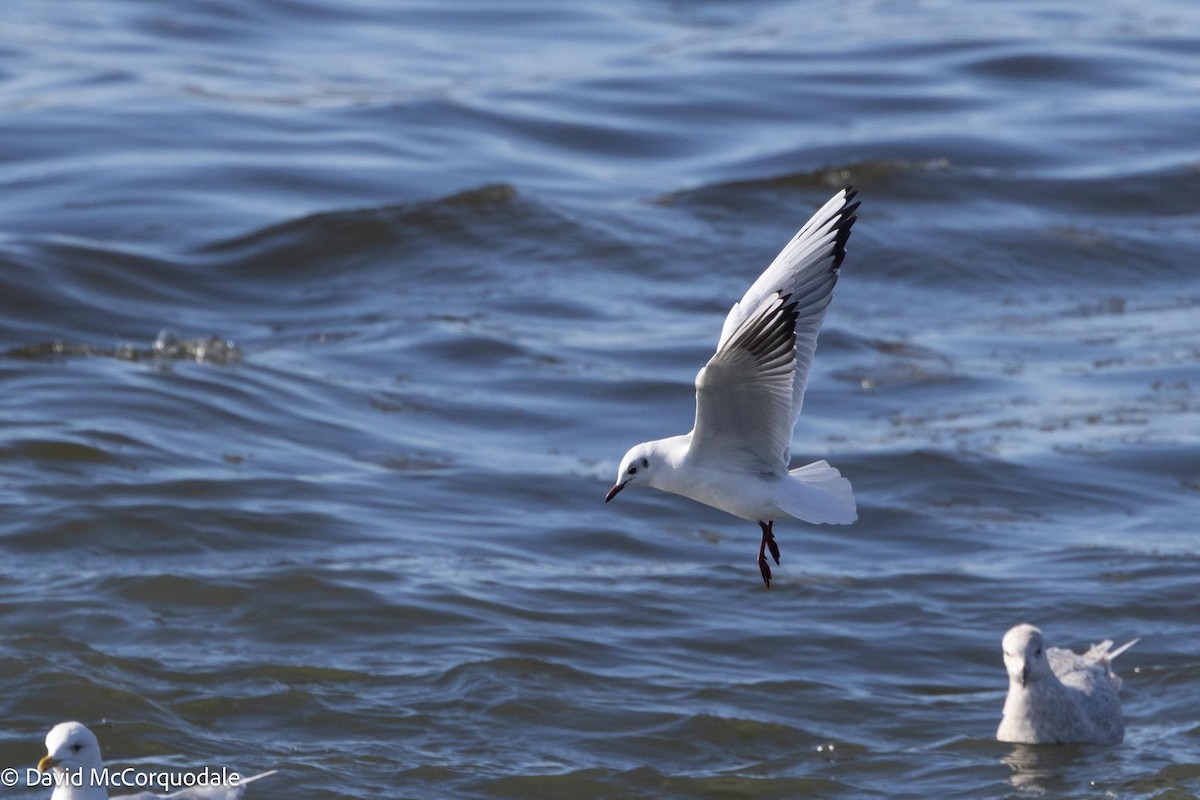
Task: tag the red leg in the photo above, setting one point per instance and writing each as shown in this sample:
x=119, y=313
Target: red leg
x=768, y=541
x=771, y=544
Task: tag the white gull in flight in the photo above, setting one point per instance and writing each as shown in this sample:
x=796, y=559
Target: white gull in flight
x=749, y=394
x=1059, y=697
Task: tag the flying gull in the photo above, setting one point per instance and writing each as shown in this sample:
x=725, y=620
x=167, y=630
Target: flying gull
x=749, y=394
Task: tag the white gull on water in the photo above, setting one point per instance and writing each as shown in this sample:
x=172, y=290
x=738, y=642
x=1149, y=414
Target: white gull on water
x=73, y=757
x=749, y=395
x=1059, y=697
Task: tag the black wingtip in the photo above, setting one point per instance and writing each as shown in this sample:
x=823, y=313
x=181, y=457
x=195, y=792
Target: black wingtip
x=847, y=216
x=771, y=336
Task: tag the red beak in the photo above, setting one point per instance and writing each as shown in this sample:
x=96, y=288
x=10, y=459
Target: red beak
x=613, y=491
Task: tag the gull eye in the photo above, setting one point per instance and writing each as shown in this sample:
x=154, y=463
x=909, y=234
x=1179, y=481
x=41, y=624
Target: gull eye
x=632, y=470
x=1038, y=652
x=77, y=747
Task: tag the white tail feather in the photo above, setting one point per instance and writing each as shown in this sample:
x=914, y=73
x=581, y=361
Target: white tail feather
x=1103, y=654
x=1113, y=654
x=259, y=775
x=819, y=494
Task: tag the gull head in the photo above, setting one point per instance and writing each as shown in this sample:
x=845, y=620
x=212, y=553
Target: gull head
x=1025, y=654
x=70, y=746
x=636, y=467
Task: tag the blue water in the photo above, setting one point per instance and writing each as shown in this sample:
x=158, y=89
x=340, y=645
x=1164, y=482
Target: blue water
x=325, y=324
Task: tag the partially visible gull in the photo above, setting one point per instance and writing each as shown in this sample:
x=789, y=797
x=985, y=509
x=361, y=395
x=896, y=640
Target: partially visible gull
x=73, y=758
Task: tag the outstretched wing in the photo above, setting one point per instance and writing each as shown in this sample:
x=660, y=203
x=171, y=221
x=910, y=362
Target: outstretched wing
x=744, y=393
x=805, y=272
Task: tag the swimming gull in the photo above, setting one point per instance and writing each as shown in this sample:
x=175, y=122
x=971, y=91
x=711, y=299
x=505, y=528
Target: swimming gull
x=1059, y=697
x=749, y=394
x=73, y=758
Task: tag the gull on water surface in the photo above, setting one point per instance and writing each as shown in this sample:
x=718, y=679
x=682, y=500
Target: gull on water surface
x=749, y=394
x=1059, y=697
x=73, y=758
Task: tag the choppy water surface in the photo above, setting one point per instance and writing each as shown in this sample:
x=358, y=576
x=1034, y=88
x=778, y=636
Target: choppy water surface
x=323, y=325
